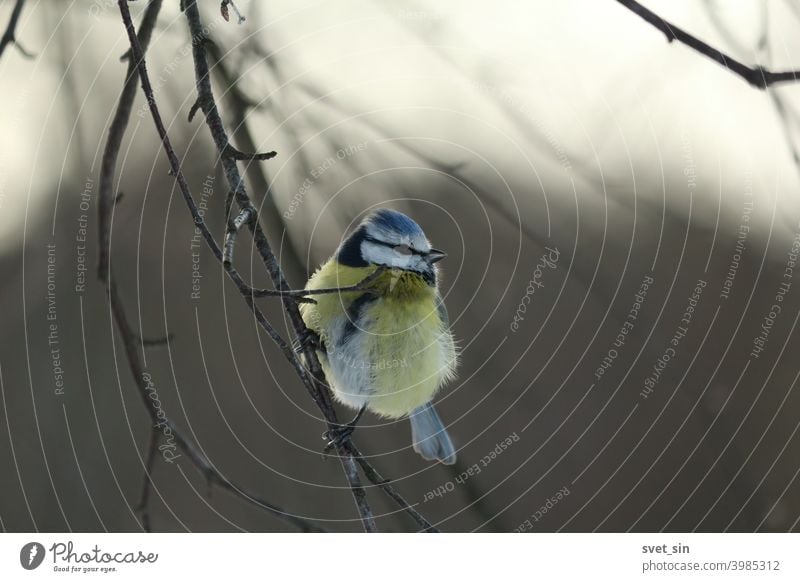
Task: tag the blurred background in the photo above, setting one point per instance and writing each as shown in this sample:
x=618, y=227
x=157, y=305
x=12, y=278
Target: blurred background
x=642, y=375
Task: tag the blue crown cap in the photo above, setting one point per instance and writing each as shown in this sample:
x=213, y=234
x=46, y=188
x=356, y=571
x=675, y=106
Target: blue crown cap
x=392, y=220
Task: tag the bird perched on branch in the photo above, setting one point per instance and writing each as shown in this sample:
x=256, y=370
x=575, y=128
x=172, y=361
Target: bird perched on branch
x=383, y=337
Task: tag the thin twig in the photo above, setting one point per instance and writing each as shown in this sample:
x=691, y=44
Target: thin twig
x=348, y=463
x=154, y=342
x=456, y=170
x=245, y=216
x=362, y=285
x=183, y=186
x=385, y=485
x=9, y=36
x=757, y=76
x=314, y=379
x=148, y=479
x=130, y=339
x=156, y=416
x=321, y=394
x=232, y=152
x=240, y=104
x=116, y=131
x=215, y=477
x=224, y=11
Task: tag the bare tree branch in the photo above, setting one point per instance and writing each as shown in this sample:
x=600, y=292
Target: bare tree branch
x=198, y=458
x=385, y=485
x=240, y=105
x=757, y=76
x=245, y=216
x=312, y=377
x=154, y=342
x=130, y=339
x=9, y=36
x=232, y=152
x=362, y=285
x=147, y=481
x=224, y=10
x=116, y=131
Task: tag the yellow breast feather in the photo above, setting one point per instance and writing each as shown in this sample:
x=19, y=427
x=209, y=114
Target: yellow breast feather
x=405, y=351
x=318, y=317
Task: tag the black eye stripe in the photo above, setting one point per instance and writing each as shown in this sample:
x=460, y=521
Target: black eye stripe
x=390, y=245
x=379, y=242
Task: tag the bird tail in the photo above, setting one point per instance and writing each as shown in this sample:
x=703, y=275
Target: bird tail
x=430, y=437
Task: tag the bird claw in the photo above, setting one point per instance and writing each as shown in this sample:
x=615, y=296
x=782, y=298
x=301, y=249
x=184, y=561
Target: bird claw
x=337, y=436
x=341, y=433
x=308, y=339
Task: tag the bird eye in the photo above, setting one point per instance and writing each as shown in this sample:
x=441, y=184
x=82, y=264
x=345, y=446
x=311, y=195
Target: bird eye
x=403, y=249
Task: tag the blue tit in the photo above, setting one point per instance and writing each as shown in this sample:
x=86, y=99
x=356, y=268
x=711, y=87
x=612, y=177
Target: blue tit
x=386, y=347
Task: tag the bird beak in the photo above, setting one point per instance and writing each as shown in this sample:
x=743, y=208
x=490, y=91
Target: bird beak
x=434, y=256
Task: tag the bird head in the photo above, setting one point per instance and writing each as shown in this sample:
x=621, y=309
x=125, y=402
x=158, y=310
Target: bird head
x=391, y=239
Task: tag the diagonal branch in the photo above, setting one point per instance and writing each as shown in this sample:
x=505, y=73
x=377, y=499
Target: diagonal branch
x=385, y=486
x=757, y=76
x=314, y=378
x=130, y=339
x=116, y=131
x=240, y=105
x=318, y=388
x=232, y=152
x=9, y=36
x=244, y=216
x=147, y=482
x=362, y=285
x=237, y=186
